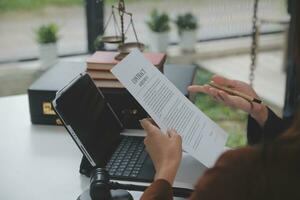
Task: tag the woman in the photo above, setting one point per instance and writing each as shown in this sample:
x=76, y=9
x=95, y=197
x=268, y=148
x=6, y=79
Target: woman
x=270, y=169
x=246, y=173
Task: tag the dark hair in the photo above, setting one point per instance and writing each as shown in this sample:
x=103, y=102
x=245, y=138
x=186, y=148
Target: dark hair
x=295, y=37
x=297, y=33
x=292, y=136
x=281, y=157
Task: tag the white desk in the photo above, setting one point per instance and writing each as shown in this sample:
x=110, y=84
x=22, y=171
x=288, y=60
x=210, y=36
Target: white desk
x=42, y=162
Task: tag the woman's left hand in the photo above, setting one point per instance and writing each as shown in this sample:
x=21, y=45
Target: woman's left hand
x=165, y=150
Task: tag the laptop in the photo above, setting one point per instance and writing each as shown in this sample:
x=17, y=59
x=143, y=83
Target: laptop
x=95, y=128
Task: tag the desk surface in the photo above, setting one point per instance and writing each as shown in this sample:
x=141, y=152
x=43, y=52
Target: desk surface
x=42, y=162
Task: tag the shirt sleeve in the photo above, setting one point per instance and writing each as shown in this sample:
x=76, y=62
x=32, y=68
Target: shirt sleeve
x=273, y=127
x=158, y=190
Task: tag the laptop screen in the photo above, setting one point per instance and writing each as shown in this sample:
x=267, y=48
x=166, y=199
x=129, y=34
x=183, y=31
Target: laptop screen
x=89, y=119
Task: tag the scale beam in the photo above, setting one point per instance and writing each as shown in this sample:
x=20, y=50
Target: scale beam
x=120, y=36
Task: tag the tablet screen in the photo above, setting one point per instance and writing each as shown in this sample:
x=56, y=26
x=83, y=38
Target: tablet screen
x=88, y=116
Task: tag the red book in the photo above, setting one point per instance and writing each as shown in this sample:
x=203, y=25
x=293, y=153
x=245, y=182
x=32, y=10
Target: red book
x=105, y=60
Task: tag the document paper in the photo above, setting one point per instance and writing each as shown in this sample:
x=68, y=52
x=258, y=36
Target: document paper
x=170, y=109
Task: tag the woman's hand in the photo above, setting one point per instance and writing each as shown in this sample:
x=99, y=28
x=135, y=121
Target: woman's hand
x=258, y=111
x=164, y=149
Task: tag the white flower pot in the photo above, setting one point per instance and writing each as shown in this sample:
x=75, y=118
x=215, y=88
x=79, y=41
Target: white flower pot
x=159, y=42
x=48, y=55
x=188, y=39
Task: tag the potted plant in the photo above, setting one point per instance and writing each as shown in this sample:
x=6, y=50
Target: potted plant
x=187, y=26
x=159, y=25
x=47, y=37
x=98, y=43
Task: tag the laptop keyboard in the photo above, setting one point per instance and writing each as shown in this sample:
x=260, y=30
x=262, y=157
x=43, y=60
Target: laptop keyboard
x=128, y=159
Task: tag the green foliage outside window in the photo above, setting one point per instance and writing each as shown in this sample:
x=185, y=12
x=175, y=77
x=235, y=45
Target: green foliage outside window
x=159, y=22
x=186, y=22
x=10, y=5
x=47, y=34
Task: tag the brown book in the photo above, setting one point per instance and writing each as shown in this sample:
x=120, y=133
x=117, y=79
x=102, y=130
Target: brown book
x=101, y=60
x=101, y=75
x=99, y=67
x=105, y=60
x=108, y=84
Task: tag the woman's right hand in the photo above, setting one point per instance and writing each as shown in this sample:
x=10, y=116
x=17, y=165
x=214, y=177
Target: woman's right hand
x=258, y=111
x=165, y=150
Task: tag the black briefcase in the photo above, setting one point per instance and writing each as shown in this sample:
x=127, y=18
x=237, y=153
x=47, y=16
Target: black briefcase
x=42, y=92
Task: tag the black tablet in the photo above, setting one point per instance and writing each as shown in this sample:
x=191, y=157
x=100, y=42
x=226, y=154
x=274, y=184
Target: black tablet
x=89, y=119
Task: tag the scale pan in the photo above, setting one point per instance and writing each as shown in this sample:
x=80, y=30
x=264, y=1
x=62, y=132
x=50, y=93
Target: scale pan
x=128, y=47
x=112, y=39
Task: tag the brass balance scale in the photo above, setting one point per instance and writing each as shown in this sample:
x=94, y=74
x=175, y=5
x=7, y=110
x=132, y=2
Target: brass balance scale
x=124, y=48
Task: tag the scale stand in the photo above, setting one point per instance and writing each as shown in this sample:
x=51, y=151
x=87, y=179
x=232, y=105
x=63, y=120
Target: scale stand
x=119, y=38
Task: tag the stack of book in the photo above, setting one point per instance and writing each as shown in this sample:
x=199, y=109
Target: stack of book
x=101, y=62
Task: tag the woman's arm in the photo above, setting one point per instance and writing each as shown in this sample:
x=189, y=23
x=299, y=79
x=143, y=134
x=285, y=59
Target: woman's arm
x=165, y=151
x=257, y=111
x=273, y=127
x=263, y=123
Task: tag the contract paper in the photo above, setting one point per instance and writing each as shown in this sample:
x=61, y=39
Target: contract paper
x=170, y=109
